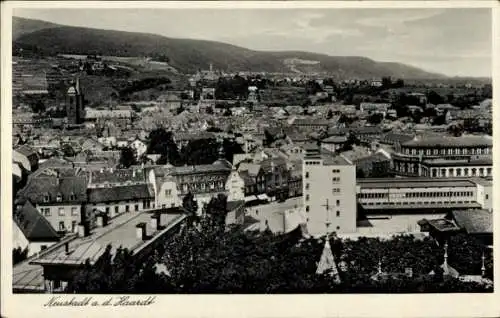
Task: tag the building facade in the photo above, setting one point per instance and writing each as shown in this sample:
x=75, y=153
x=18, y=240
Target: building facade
x=171, y=184
x=408, y=195
x=59, y=199
x=444, y=157
x=329, y=194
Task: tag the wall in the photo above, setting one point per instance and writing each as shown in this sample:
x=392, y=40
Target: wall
x=168, y=195
x=319, y=185
x=235, y=186
x=19, y=240
x=68, y=218
x=399, y=195
x=121, y=205
x=485, y=196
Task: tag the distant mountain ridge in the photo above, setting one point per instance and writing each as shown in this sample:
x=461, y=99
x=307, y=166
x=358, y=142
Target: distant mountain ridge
x=190, y=55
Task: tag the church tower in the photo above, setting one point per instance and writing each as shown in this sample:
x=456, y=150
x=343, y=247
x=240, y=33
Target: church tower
x=74, y=104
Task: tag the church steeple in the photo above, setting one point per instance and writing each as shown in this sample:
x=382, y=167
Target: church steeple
x=221, y=152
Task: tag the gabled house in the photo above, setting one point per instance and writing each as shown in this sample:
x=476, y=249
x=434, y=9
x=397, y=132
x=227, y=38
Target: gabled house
x=31, y=230
x=254, y=178
x=60, y=199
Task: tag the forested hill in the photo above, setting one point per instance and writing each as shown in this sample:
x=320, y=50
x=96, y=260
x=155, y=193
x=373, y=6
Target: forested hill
x=191, y=55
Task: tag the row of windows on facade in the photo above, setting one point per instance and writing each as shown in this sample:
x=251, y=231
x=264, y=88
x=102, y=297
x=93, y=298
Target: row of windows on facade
x=458, y=172
x=337, y=204
x=449, y=151
x=202, y=186
x=335, y=191
x=376, y=195
x=333, y=171
x=422, y=202
x=61, y=211
x=471, y=172
x=313, y=163
x=62, y=226
x=59, y=197
x=338, y=214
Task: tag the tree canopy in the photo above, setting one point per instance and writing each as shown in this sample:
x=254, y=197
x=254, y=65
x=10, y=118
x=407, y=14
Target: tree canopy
x=207, y=257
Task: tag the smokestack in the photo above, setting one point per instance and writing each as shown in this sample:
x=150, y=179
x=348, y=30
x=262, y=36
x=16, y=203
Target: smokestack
x=141, y=231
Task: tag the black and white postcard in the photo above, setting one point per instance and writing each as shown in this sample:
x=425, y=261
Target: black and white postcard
x=249, y=159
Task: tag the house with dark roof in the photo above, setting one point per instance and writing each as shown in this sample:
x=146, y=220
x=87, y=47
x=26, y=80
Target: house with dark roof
x=478, y=223
x=393, y=138
x=59, y=198
x=276, y=177
x=376, y=165
x=474, y=222
x=334, y=142
x=253, y=177
x=183, y=138
x=114, y=200
x=31, y=230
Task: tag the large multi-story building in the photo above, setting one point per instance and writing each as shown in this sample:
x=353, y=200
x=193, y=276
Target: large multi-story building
x=329, y=193
x=171, y=184
x=444, y=157
x=423, y=195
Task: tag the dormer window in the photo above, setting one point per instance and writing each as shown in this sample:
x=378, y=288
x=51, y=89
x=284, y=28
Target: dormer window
x=59, y=197
x=46, y=197
x=72, y=196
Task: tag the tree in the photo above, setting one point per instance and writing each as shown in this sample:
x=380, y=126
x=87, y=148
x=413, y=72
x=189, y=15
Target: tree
x=386, y=82
x=216, y=209
x=162, y=143
x=68, y=151
x=399, y=83
x=227, y=112
x=329, y=115
x=38, y=107
x=360, y=173
x=200, y=152
x=19, y=255
x=456, y=130
x=231, y=147
x=375, y=119
x=189, y=203
x=209, y=110
x=127, y=157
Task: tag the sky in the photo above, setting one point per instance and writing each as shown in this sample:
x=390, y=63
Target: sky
x=454, y=42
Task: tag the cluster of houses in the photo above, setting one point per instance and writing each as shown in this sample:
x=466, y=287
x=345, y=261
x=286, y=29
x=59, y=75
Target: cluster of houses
x=58, y=194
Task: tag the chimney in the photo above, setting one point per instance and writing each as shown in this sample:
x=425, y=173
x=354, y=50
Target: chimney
x=100, y=220
x=156, y=221
x=133, y=173
x=81, y=230
x=66, y=247
x=141, y=231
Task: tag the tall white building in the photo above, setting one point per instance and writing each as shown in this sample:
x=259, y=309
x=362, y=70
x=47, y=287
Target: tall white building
x=329, y=187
